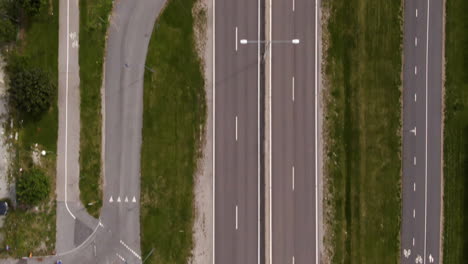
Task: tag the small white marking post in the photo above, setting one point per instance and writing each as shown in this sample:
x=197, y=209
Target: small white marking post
x=236, y=38
x=237, y=224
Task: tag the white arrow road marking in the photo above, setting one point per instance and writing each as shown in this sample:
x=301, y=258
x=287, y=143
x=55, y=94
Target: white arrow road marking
x=111, y=200
x=133, y=200
x=413, y=131
x=431, y=259
x=118, y=199
x=418, y=260
x=126, y=199
x=407, y=253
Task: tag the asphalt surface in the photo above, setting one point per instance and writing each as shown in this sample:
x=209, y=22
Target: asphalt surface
x=422, y=95
x=237, y=170
x=115, y=237
x=293, y=124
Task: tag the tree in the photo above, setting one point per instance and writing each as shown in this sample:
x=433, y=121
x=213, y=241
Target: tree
x=32, y=187
x=31, y=91
x=7, y=30
x=32, y=7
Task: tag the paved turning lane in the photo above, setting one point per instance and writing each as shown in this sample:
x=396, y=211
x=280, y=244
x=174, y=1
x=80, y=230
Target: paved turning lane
x=422, y=89
x=294, y=138
x=236, y=142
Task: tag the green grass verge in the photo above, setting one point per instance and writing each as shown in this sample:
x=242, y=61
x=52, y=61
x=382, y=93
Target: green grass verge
x=174, y=115
x=456, y=134
x=93, y=27
x=363, y=121
x=28, y=230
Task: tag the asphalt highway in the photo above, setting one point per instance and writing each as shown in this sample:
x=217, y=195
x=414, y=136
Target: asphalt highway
x=422, y=117
x=293, y=137
x=237, y=132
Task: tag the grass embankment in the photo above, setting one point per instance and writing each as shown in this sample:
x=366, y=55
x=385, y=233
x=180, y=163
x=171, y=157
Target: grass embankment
x=363, y=71
x=456, y=134
x=174, y=115
x=30, y=230
x=93, y=28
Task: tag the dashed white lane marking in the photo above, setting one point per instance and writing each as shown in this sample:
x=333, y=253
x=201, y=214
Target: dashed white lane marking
x=118, y=199
x=414, y=213
x=293, y=5
x=416, y=12
x=414, y=187
x=293, y=260
x=415, y=98
x=293, y=178
x=120, y=257
x=414, y=160
x=293, y=88
x=413, y=241
x=131, y=250
x=236, y=39
x=415, y=41
x=415, y=70
x=236, y=128
x=237, y=214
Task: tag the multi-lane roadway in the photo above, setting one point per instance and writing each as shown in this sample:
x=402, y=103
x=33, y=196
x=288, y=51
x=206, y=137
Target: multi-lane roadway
x=422, y=117
x=237, y=132
x=294, y=93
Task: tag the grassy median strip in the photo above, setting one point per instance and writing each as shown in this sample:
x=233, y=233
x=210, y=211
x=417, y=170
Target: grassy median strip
x=362, y=123
x=33, y=229
x=174, y=115
x=456, y=134
x=93, y=28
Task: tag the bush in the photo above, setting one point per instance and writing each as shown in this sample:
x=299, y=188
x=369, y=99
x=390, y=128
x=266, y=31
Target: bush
x=7, y=31
x=31, y=91
x=32, y=187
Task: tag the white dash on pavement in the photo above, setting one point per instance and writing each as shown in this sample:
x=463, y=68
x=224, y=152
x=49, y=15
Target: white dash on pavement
x=134, y=199
x=126, y=199
x=120, y=257
x=293, y=88
x=416, y=12
x=236, y=128
x=131, y=250
x=415, y=97
x=415, y=41
x=118, y=199
x=413, y=241
x=414, y=160
x=236, y=39
x=237, y=221
x=415, y=70
x=111, y=200
x=293, y=260
x=293, y=5
x=293, y=178
x=414, y=213
x=414, y=187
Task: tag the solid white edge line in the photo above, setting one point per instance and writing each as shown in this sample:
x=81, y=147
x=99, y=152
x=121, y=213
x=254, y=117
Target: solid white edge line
x=271, y=135
x=316, y=138
x=425, y=154
x=258, y=132
x=66, y=110
x=214, y=128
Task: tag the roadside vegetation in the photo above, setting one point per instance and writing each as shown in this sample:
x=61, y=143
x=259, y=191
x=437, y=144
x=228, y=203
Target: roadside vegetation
x=174, y=115
x=31, y=51
x=455, y=242
x=93, y=29
x=362, y=70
